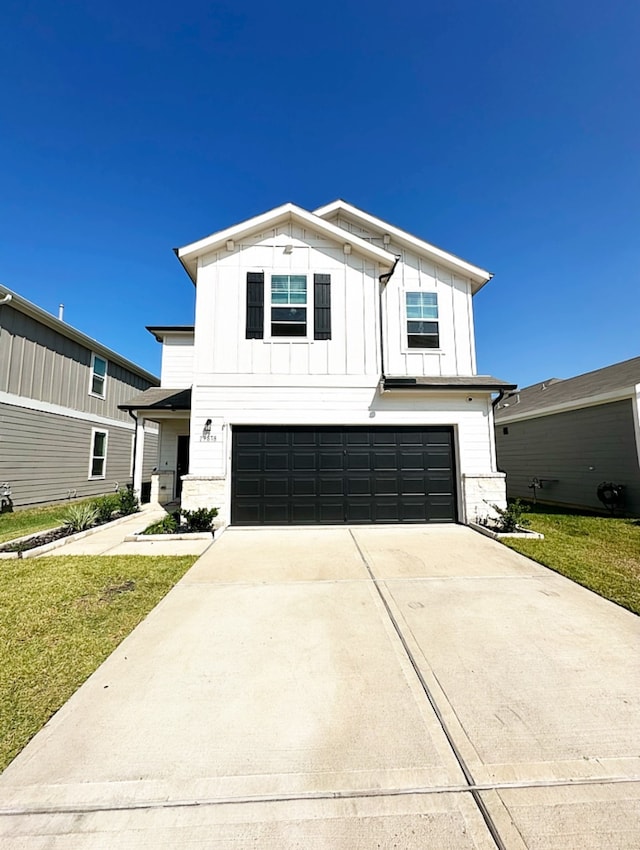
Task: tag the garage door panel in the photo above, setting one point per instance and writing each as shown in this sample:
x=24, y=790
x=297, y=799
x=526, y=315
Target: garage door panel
x=274, y=487
x=381, y=460
x=331, y=486
x=359, y=486
x=330, y=460
x=304, y=486
x=358, y=460
x=308, y=475
x=303, y=460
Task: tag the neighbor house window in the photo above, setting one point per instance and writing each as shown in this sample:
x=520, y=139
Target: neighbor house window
x=422, y=320
x=288, y=305
x=98, y=376
x=98, y=461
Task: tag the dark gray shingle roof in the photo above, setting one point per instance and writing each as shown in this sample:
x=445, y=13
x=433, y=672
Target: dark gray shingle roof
x=159, y=398
x=555, y=391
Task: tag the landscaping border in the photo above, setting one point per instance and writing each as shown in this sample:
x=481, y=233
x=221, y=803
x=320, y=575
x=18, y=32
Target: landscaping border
x=56, y=544
x=498, y=535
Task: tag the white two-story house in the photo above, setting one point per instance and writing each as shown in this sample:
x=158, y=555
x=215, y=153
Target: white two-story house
x=330, y=377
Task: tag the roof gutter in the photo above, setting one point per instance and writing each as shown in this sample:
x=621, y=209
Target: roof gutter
x=383, y=280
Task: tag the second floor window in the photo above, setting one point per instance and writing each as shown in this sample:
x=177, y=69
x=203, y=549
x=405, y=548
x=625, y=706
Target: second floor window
x=422, y=320
x=288, y=305
x=98, y=376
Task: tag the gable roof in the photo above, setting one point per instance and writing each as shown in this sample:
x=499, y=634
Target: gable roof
x=477, y=275
x=188, y=255
x=19, y=303
x=554, y=395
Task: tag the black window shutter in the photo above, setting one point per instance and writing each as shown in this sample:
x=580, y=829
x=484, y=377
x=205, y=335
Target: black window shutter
x=255, y=305
x=322, y=306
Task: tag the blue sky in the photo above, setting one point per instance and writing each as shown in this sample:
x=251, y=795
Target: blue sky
x=504, y=132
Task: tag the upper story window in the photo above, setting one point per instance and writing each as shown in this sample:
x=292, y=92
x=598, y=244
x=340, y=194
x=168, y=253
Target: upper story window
x=297, y=309
x=98, y=382
x=288, y=305
x=422, y=320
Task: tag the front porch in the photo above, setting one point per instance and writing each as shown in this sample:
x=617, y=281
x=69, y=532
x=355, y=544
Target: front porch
x=170, y=409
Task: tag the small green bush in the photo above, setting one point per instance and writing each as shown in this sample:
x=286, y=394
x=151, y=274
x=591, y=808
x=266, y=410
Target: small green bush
x=201, y=519
x=166, y=525
x=80, y=517
x=512, y=516
x=106, y=506
x=128, y=501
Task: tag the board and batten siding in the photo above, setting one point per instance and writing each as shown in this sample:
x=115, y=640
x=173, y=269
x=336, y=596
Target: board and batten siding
x=221, y=346
x=45, y=457
x=177, y=361
x=415, y=273
x=572, y=452
x=37, y=362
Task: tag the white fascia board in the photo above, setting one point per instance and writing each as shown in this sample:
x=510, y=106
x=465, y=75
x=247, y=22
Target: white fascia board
x=565, y=406
x=51, y=321
x=287, y=212
x=478, y=276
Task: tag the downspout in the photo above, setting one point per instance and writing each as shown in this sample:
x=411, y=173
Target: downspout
x=135, y=445
x=6, y=298
x=384, y=279
x=496, y=401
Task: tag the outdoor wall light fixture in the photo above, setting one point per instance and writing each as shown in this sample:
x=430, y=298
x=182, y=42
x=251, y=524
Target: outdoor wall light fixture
x=206, y=431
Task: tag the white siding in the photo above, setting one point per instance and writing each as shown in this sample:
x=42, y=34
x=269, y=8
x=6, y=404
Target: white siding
x=334, y=406
x=177, y=361
x=456, y=355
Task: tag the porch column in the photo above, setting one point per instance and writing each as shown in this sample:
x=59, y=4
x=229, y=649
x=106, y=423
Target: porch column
x=138, y=457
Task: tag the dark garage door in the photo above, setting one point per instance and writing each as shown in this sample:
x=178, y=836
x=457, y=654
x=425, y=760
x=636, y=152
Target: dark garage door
x=307, y=475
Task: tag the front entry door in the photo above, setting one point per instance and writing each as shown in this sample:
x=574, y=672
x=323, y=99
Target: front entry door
x=182, y=463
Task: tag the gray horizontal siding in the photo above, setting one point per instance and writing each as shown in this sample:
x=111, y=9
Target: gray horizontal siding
x=563, y=446
x=45, y=457
x=39, y=363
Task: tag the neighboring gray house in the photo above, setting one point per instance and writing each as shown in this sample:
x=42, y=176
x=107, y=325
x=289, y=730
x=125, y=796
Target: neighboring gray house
x=560, y=439
x=61, y=433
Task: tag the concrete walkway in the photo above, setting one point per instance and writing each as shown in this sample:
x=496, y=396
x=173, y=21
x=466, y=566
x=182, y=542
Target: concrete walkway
x=111, y=540
x=341, y=688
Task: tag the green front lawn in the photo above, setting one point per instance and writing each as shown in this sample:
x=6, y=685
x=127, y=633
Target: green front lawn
x=30, y=520
x=60, y=618
x=601, y=553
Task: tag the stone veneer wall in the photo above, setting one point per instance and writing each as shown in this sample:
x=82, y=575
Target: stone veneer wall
x=479, y=492
x=204, y=491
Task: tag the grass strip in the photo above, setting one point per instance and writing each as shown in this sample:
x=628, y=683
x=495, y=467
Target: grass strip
x=61, y=617
x=601, y=553
x=31, y=520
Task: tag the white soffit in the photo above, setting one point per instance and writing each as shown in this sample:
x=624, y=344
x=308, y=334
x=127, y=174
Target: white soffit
x=475, y=273
x=188, y=255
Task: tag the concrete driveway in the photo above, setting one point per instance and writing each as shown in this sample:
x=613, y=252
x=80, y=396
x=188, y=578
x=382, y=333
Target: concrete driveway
x=346, y=688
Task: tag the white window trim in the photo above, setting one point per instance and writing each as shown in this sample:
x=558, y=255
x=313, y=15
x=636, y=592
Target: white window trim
x=104, y=379
x=92, y=456
x=308, y=337
x=406, y=348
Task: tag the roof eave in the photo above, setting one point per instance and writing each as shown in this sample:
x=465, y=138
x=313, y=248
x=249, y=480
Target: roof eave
x=478, y=276
x=51, y=321
x=189, y=254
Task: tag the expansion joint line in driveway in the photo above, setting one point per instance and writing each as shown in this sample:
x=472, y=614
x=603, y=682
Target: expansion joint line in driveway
x=473, y=790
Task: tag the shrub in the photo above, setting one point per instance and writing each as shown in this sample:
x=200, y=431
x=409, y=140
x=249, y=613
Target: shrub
x=106, y=506
x=127, y=501
x=166, y=525
x=512, y=516
x=201, y=519
x=80, y=517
